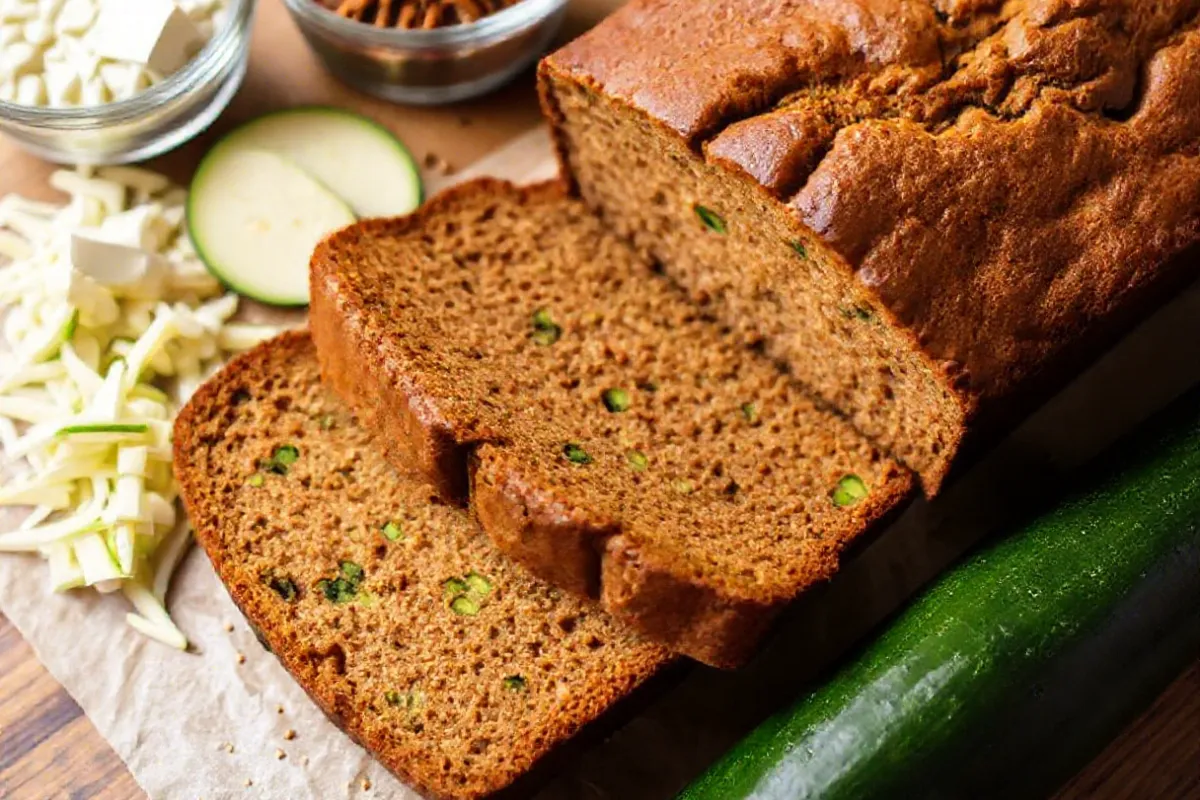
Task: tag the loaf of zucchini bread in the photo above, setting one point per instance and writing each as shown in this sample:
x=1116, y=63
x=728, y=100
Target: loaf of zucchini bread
x=611, y=437
x=928, y=209
x=457, y=669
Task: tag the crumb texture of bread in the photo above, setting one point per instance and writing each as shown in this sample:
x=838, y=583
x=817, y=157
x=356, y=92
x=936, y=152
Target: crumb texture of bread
x=926, y=208
x=613, y=438
x=456, y=668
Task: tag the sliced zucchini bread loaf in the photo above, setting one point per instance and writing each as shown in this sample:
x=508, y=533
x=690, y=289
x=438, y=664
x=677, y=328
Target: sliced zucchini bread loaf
x=615, y=440
x=455, y=668
x=931, y=211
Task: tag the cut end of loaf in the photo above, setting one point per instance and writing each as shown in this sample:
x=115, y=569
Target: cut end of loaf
x=744, y=257
x=625, y=445
x=958, y=258
x=456, y=669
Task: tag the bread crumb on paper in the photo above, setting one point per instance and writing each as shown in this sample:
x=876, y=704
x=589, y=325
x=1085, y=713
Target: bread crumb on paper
x=366, y=784
x=440, y=165
x=278, y=709
x=241, y=658
x=247, y=783
x=289, y=734
x=280, y=755
x=229, y=627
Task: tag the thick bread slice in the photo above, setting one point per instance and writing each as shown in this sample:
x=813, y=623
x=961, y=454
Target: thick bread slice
x=616, y=442
x=454, y=667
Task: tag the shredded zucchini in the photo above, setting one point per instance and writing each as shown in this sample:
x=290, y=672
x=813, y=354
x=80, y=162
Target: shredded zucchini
x=103, y=299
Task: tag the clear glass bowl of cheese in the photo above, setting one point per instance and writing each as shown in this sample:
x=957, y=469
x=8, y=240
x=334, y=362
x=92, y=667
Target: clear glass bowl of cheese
x=435, y=66
x=152, y=121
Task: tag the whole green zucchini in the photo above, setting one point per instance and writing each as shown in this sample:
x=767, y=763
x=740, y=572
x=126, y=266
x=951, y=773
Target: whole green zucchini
x=1016, y=667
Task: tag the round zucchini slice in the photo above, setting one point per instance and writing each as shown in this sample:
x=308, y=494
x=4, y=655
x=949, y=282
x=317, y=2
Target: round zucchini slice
x=357, y=158
x=255, y=217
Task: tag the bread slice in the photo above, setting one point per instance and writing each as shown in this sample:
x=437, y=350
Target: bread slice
x=455, y=668
x=615, y=441
x=933, y=212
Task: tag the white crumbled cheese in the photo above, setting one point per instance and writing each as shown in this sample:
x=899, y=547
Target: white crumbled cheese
x=31, y=90
x=103, y=299
x=38, y=32
x=74, y=53
x=94, y=93
x=154, y=33
x=9, y=33
x=143, y=228
x=121, y=269
x=74, y=17
x=13, y=11
x=124, y=80
x=18, y=58
x=47, y=9
x=62, y=85
x=90, y=53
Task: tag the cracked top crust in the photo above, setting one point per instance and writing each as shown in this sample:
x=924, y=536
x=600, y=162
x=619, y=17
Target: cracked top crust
x=967, y=158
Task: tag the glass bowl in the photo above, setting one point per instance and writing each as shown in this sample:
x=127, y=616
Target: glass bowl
x=429, y=67
x=156, y=120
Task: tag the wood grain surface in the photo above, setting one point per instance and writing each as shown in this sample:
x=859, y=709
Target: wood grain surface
x=49, y=750
x=1158, y=756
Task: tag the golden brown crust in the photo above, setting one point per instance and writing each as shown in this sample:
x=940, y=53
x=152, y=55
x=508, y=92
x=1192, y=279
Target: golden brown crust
x=416, y=435
x=582, y=548
x=211, y=442
x=1007, y=179
x=527, y=523
x=597, y=561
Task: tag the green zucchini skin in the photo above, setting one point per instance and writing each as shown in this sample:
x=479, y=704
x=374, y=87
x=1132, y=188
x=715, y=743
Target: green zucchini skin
x=1015, y=667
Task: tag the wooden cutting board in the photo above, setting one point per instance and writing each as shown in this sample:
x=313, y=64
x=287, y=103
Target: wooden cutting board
x=49, y=750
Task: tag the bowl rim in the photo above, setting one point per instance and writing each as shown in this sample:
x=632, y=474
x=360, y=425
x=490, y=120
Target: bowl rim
x=233, y=36
x=499, y=25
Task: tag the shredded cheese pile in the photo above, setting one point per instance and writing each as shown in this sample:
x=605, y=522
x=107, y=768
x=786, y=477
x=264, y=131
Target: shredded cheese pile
x=110, y=323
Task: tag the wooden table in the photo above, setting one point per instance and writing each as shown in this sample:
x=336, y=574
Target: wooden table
x=48, y=749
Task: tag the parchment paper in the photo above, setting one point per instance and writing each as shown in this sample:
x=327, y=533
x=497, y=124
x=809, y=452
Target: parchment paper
x=169, y=714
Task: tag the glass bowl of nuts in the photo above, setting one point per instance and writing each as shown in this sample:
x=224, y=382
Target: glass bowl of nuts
x=427, y=52
x=80, y=85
